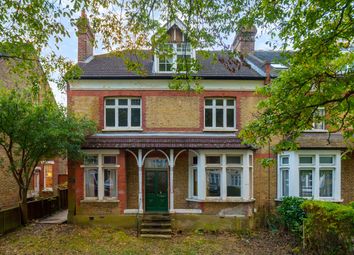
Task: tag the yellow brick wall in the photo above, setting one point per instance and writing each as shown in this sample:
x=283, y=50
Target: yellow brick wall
x=248, y=107
x=172, y=112
x=87, y=106
x=8, y=187
x=180, y=182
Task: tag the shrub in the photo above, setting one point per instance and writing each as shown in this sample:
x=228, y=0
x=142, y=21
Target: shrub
x=328, y=227
x=292, y=215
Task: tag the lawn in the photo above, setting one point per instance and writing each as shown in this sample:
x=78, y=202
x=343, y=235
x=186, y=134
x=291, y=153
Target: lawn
x=69, y=239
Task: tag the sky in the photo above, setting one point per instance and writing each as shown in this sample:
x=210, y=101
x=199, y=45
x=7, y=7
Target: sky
x=68, y=49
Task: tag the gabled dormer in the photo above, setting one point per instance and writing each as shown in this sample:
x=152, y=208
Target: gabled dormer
x=175, y=55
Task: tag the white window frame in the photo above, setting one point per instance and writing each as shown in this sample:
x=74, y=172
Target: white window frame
x=175, y=53
x=246, y=175
x=100, y=166
x=282, y=168
x=323, y=122
x=294, y=173
x=45, y=188
x=129, y=107
x=224, y=107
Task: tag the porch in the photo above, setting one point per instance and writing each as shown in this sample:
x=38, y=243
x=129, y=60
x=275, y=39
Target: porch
x=180, y=173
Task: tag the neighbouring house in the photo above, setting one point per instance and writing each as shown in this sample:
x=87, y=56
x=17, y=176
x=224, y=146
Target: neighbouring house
x=49, y=174
x=177, y=152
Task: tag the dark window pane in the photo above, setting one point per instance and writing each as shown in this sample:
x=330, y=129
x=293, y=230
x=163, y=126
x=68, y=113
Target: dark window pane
x=110, y=117
x=162, y=67
x=208, y=117
x=285, y=183
x=135, y=101
x=230, y=102
x=123, y=102
x=233, y=180
x=110, y=101
x=109, y=160
x=213, y=160
x=91, y=160
x=219, y=102
x=91, y=182
x=306, y=160
x=213, y=182
x=306, y=183
x=208, y=102
x=230, y=118
x=326, y=160
x=195, y=182
x=122, y=117
x=195, y=160
x=219, y=117
x=326, y=183
x=233, y=159
x=110, y=183
x=135, y=117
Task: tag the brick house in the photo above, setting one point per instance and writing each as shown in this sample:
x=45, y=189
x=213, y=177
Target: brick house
x=159, y=150
x=49, y=174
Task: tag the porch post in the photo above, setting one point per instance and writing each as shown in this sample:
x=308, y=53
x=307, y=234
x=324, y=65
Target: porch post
x=140, y=166
x=171, y=163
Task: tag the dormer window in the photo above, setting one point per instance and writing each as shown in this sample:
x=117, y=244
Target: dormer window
x=174, y=57
x=319, y=123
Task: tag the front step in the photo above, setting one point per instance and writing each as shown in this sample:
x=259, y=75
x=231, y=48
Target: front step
x=156, y=226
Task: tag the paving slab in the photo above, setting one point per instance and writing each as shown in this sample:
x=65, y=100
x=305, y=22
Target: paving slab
x=57, y=218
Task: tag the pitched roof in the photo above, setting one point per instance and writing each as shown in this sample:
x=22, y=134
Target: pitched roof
x=109, y=66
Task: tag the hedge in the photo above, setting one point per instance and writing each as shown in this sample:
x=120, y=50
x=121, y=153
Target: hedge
x=328, y=227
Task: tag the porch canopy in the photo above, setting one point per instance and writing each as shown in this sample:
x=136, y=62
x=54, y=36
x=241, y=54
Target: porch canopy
x=164, y=141
x=171, y=145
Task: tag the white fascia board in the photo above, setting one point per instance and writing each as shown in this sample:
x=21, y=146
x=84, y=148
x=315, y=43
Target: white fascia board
x=220, y=85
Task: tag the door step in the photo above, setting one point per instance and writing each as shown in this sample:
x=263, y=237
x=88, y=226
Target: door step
x=156, y=226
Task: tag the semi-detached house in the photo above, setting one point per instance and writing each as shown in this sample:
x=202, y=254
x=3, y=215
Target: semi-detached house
x=177, y=152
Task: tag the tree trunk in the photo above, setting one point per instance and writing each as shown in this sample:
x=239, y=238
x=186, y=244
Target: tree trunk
x=24, y=207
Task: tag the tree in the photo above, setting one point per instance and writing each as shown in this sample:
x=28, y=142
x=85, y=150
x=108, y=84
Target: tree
x=32, y=131
x=320, y=72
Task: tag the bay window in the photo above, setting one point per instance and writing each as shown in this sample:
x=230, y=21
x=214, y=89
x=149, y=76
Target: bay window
x=221, y=175
x=122, y=113
x=220, y=113
x=310, y=174
x=100, y=173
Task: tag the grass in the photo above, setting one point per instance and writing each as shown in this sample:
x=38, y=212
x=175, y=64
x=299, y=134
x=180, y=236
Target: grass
x=70, y=239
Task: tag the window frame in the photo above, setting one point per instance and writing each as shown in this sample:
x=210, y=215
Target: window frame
x=116, y=108
x=224, y=107
x=175, y=53
x=48, y=163
x=100, y=174
x=294, y=173
x=322, y=112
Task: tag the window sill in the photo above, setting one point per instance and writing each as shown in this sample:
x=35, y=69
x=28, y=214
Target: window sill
x=122, y=129
x=47, y=190
x=316, y=199
x=220, y=129
x=86, y=200
x=219, y=200
x=316, y=131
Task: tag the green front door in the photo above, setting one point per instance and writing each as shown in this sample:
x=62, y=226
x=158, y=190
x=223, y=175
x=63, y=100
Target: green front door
x=156, y=191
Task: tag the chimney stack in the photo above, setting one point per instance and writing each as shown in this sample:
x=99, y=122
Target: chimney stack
x=244, y=41
x=85, y=37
